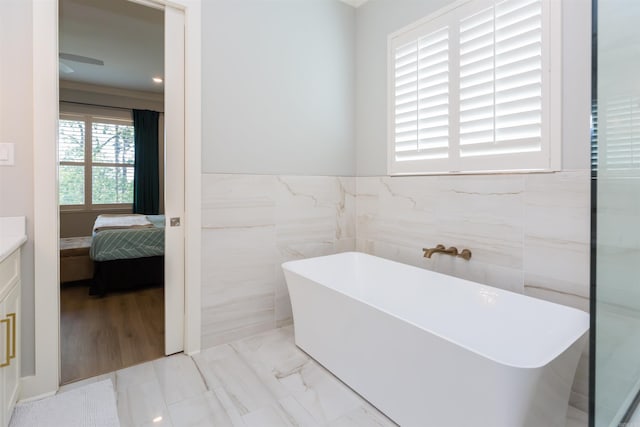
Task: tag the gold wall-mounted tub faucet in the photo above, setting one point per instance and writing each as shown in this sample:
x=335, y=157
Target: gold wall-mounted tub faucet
x=453, y=251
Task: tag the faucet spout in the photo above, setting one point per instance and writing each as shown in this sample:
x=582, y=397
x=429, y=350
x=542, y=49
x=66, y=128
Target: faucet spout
x=440, y=249
x=430, y=251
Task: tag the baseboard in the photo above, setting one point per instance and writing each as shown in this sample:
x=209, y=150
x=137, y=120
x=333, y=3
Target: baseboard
x=31, y=388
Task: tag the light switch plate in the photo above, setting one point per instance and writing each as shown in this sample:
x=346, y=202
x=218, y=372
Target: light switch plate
x=6, y=154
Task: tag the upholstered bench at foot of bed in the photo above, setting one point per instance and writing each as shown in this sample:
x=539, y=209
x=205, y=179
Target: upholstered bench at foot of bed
x=75, y=263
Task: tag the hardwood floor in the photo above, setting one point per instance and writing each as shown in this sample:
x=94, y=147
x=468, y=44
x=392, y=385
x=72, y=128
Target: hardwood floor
x=100, y=335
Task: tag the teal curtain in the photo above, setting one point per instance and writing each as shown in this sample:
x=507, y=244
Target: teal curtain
x=146, y=175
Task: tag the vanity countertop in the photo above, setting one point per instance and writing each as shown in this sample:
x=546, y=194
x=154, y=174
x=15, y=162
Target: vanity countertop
x=13, y=234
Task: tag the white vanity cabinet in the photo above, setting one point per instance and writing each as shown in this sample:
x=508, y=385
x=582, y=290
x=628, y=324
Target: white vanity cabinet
x=9, y=334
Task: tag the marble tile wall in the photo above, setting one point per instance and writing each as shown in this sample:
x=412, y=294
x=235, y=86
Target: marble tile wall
x=528, y=233
x=252, y=224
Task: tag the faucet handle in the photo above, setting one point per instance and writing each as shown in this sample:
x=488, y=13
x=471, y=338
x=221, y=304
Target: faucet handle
x=452, y=250
x=465, y=254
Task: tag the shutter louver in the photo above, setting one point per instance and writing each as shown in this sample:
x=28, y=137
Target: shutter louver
x=422, y=98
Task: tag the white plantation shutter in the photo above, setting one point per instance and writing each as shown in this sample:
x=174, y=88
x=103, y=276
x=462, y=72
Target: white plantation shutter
x=518, y=76
x=475, y=100
x=422, y=97
x=501, y=79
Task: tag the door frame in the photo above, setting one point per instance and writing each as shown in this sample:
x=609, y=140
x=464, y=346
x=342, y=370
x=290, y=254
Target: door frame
x=46, y=379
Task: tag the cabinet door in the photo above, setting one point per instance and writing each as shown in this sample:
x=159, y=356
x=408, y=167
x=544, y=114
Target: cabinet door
x=5, y=336
x=9, y=324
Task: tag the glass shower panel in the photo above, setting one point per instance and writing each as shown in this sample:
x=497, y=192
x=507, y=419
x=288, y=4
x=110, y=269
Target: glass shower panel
x=616, y=127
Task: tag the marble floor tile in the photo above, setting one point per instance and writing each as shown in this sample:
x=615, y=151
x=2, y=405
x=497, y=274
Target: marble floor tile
x=245, y=388
x=179, y=378
x=282, y=366
x=260, y=381
x=286, y=412
x=299, y=415
x=325, y=397
x=142, y=405
x=271, y=357
x=134, y=375
x=364, y=415
x=202, y=411
x=228, y=406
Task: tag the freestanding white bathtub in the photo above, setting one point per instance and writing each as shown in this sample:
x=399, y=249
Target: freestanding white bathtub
x=431, y=350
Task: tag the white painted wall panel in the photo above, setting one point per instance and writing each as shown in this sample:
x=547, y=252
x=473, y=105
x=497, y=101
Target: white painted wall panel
x=278, y=87
x=16, y=126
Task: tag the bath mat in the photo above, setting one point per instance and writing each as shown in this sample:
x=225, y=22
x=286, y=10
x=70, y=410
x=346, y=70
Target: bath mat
x=93, y=405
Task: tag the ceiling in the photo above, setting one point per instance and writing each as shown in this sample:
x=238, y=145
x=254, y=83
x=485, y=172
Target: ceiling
x=128, y=37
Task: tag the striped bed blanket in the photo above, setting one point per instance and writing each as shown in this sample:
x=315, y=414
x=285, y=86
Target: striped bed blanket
x=115, y=238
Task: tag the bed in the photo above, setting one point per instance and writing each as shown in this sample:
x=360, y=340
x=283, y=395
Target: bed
x=128, y=252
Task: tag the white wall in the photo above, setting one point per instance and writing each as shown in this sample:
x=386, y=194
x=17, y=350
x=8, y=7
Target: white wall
x=16, y=123
x=378, y=18
x=278, y=87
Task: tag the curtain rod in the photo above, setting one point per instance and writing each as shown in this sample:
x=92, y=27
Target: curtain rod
x=101, y=106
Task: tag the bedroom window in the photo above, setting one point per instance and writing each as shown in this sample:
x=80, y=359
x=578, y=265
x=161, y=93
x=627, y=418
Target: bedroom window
x=474, y=88
x=96, y=156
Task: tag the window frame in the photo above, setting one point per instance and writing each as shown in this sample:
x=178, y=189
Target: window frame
x=90, y=116
x=549, y=159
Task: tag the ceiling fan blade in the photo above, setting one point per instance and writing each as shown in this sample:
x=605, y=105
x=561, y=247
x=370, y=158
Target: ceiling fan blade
x=80, y=58
x=64, y=68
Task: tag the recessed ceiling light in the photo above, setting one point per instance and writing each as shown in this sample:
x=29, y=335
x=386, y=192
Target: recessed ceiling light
x=157, y=79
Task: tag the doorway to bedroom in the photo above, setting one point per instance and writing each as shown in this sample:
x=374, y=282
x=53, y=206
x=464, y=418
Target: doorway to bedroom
x=111, y=170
